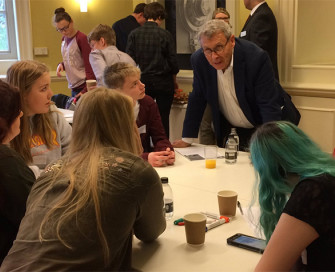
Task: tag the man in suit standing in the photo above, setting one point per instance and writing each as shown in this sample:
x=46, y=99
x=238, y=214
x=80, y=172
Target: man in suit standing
x=261, y=29
x=236, y=79
x=126, y=25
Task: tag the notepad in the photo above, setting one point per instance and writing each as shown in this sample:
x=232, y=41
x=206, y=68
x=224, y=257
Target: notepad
x=195, y=152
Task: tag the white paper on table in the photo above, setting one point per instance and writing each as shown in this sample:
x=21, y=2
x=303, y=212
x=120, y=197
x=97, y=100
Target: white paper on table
x=195, y=152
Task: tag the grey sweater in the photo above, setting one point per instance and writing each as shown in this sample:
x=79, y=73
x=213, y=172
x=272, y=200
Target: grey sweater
x=100, y=59
x=62, y=130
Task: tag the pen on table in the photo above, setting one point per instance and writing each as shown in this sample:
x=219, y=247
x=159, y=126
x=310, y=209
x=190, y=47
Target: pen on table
x=240, y=207
x=212, y=215
x=217, y=223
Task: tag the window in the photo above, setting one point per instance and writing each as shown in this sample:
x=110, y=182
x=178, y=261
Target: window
x=15, y=25
x=8, y=44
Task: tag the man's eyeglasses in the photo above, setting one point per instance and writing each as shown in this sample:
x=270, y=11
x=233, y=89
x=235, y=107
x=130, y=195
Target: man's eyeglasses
x=64, y=28
x=218, y=49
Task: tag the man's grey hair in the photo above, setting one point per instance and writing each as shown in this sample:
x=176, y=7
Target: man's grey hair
x=213, y=27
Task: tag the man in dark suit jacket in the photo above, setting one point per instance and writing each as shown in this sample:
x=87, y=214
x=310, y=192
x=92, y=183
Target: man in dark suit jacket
x=235, y=78
x=261, y=29
x=126, y=25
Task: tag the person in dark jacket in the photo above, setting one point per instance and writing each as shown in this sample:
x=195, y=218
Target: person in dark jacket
x=261, y=29
x=235, y=78
x=126, y=25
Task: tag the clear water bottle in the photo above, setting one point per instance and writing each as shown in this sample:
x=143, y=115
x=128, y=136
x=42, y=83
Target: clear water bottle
x=168, y=198
x=231, y=149
x=237, y=139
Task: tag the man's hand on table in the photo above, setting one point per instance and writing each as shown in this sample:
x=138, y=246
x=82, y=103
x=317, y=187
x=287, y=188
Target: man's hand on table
x=180, y=143
x=161, y=158
x=171, y=157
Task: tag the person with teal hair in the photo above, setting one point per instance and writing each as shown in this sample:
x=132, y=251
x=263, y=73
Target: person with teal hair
x=296, y=191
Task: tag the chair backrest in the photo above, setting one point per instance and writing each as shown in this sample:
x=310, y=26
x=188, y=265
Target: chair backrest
x=60, y=100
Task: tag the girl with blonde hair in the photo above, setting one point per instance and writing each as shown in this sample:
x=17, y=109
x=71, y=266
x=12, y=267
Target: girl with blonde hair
x=82, y=212
x=45, y=134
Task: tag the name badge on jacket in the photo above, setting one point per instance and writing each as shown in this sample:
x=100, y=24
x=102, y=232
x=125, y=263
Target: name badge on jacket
x=142, y=129
x=243, y=33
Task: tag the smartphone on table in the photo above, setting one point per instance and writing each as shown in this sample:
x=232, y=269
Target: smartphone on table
x=247, y=242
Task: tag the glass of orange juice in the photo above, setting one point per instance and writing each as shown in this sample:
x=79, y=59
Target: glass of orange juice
x=210, y=152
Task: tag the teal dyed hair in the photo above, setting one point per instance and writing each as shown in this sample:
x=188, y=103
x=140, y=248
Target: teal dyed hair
x=278, y=149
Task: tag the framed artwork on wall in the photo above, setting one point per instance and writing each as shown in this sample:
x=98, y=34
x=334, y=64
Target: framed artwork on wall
x=185, y=19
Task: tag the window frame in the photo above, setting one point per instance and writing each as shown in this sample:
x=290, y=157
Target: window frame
x=12, y=52
x=23, y=34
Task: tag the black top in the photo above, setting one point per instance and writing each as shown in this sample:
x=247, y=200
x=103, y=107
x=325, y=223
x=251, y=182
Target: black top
x=153, y=49
x=16, y=180
x=313, y=201
x=122, y=29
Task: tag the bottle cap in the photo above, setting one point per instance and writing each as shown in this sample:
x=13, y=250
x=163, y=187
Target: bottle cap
x=164, y=180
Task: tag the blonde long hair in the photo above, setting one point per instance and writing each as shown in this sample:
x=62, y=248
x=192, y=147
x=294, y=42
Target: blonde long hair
x=103, y=118
x=23, y=74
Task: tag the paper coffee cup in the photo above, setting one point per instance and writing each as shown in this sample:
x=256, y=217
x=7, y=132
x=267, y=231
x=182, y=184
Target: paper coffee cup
x=195, y=228
x=227, y=203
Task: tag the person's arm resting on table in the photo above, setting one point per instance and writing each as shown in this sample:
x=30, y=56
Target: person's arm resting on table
x=161, y=158
x=151, y=221
x=287, y=242
x=184, y=142
x=163, y=153
x=197, y=103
